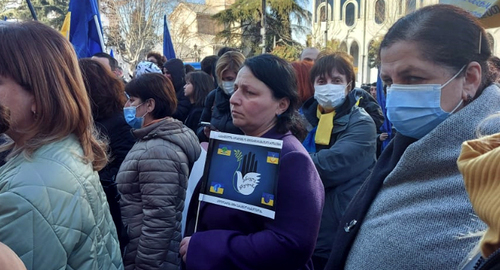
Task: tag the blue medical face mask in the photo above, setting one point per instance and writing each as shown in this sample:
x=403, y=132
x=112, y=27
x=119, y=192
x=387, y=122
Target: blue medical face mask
x=131, y=119
x=415, y=110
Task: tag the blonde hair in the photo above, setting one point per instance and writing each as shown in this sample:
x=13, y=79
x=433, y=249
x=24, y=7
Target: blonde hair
x=44, y=64
x=231, y=60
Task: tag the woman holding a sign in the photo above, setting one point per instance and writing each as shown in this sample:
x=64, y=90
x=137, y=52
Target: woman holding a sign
x=227, y=238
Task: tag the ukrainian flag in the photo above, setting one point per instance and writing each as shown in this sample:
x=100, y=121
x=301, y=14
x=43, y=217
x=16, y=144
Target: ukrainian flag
x=83, y=27
x=273, y=157
x=66, y=24
x=267, y=199
x=217, y=188
x=224, y=150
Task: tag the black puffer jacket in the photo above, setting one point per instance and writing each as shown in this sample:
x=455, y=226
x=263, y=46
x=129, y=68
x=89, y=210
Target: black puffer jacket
x=176, y=70
x=120, y=140
x=217, y=111
x=153, y=181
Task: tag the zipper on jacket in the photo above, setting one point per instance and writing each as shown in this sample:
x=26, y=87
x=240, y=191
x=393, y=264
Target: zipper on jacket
x=492, y=261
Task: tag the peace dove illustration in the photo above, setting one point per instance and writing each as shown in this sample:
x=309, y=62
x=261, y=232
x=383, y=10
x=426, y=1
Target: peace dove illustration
x=248, y=178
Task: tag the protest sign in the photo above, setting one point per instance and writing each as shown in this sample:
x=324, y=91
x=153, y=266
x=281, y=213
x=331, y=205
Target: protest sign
x=241, y=172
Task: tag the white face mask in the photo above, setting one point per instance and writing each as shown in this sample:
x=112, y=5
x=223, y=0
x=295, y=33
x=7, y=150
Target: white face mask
x=228, y=87
x=330, y=96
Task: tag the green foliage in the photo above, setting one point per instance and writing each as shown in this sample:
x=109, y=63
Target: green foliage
x=50, y=12
x=238, y=155
x=373, y=48
x=242, y=23
x=288, y=52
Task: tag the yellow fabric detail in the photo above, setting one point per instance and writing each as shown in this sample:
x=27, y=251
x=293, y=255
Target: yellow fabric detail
x=325, y=126
x=357, y=102
x=479, y=163
x=66, y=25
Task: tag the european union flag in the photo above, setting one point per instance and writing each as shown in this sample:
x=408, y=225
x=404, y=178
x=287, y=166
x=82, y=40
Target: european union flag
x=217, y=188
x=224, y=150
x=85, y=31
x=267, y=199
x=273, y=157
x=168, y=47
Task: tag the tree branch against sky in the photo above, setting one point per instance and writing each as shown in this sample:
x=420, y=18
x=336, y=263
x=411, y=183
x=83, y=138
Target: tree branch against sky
x=135, y=27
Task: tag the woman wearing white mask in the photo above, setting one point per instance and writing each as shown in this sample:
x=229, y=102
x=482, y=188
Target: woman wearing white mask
x=153, y=176
x=342, y=143
x=217, y=110
x=412, y=210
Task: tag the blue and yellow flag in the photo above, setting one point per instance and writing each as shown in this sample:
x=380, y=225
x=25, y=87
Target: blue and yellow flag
x=267, y=199
x=273, y=157
x=224, y=150
x=85, y=28
x=217, y=188
x=65, y=27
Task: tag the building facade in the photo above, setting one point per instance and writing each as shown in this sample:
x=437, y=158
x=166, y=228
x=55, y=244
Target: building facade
x=193, y=30
x=355, y=24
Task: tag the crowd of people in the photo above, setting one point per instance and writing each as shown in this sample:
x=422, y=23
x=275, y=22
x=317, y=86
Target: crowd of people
x=95, y=170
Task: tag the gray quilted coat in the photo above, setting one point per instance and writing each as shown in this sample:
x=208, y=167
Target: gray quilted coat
x=54, y=213
x=153, y=181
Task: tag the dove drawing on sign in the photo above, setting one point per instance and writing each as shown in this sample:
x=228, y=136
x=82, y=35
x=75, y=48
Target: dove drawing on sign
x=248, y=178
x=247, y=184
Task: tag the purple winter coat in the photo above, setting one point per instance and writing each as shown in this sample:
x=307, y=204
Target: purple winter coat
x=233, y=239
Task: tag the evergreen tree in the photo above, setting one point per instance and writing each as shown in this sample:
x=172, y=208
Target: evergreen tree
x=242, y=23
x=50, y=12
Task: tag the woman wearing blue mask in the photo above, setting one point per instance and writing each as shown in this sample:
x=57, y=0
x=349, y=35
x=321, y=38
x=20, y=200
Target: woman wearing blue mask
x=153, y=176
x=412, y=210
x=342, y=143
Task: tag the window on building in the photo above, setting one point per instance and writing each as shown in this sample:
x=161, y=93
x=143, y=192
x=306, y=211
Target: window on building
x=343, y=4
x=411, y=5
x=379, y=11
x=343, y=47
x=322, y=14
x=349, y=14
x=355, y=53
x=491, y=41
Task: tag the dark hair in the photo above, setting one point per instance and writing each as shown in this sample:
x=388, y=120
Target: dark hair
x=4, y=119
x=157, y=87
x=339, y=61
x=208, y=63
x=188, y=68
x=267, y=68
x=105, y=90
x=224, y=50
x=494, y=65
x=202, y=85
x=112, y=61
x=158, y=57
x=434, y=29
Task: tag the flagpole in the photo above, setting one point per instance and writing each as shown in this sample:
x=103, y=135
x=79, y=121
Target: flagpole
x=99, y=33
x=32, y=10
